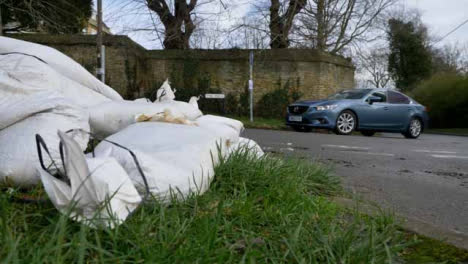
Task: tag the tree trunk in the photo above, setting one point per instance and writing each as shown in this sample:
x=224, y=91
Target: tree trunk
x=280, y=25
x=321, y=27
x=179, y=26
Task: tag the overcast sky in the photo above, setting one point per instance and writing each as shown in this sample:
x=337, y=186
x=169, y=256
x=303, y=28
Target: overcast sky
x=441, y=16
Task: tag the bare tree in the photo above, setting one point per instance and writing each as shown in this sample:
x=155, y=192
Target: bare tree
x=332, y=25
x=373, y=63
x=178, y=25
x=281, y=24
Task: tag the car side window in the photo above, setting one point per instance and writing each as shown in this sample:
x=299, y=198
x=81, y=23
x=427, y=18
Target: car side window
x=397, y=98
x=381, y=95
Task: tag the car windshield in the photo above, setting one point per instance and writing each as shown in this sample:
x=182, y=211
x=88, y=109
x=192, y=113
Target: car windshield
x=350, y=94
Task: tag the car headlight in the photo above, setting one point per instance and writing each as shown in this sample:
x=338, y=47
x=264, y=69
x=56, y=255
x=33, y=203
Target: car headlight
x=326, y=107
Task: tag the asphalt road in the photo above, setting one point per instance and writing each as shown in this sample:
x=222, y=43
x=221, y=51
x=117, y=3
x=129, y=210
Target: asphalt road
x=424, y=179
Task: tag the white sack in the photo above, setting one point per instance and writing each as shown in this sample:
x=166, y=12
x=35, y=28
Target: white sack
x=245, y=144
x=173, y=157
x=111, y=117
x=233, y=123
x=59, y=62
x=142, y=100
x=18, y=153
x=22, y=75
x=100, y=192
x=165, y=93
x=226, y=129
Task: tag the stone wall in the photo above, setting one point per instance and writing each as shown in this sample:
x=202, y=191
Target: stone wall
x=134, y=71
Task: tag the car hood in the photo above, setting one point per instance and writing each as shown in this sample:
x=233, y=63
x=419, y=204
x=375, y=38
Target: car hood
x=318, y=102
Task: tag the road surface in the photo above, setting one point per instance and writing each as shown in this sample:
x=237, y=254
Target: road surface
x=424, y=179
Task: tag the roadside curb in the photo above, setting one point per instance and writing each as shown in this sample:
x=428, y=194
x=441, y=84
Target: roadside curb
x=445, y=134
x=411, y=224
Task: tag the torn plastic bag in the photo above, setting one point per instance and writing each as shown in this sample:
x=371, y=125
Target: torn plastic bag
x=165, y=93
x=22, y=75
x=60, y=63
x=111, y=117
x=95, y=191
x=176, y=159
x=18, y=155
x=194, y=101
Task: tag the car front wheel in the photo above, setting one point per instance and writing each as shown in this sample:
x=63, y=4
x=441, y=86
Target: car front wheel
x=345, y=123
x=414, y=129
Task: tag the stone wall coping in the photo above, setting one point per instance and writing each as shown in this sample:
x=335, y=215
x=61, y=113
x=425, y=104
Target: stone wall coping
x=297, y=55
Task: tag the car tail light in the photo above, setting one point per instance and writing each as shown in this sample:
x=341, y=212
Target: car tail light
x=426, y=109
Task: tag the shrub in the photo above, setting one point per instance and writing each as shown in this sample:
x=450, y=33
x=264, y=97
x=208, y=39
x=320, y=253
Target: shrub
x=273, y=104
x=446, y=97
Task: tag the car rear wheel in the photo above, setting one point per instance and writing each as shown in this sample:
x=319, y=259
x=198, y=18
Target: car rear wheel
x=302, y=128
x=414, y=129
x=345, y=123
x=367, y=133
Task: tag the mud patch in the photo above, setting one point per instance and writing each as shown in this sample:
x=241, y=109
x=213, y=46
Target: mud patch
x=343, y=163
x=449, y=174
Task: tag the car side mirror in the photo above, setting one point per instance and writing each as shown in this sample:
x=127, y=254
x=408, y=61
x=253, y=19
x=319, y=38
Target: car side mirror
x=374, y=99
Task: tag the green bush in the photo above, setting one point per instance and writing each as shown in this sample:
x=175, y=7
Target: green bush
x=446, y=97
x=274, y=103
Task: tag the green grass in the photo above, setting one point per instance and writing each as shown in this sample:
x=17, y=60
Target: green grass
x=428, y=250
x=263, y=123
x=455, y=131
x=268, y=210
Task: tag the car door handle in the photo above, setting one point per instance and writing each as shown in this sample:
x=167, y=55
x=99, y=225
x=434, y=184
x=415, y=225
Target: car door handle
x=385, y=108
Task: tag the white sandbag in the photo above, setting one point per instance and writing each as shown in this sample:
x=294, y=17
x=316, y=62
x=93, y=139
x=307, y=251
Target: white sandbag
x=60, y=63
x=245, y=144
x=235, y=124
x=21, y=75
x=18, y=153
x=165, y=93
x=221, y=127
x=99, y=191
x=111, y=117
x=176, y=159
x=142, y=100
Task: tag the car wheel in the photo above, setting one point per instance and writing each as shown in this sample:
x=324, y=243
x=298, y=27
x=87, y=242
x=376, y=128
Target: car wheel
x=302, y=128
x=345, y=123
x=367, y=133
x=414, y=129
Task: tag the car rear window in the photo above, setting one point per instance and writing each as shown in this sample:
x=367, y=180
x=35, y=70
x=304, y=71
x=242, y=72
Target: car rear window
x=397, y=98
x=350, y=94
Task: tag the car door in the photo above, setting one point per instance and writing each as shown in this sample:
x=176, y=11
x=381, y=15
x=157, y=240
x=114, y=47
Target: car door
x=373, y=116
x=398, y=110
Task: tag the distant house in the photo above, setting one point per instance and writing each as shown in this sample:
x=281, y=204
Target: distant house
x=91, y=27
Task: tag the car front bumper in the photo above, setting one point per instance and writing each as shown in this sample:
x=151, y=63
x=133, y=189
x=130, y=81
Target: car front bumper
x=314, y=119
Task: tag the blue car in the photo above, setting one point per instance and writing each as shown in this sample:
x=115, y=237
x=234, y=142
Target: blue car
x=364, y=110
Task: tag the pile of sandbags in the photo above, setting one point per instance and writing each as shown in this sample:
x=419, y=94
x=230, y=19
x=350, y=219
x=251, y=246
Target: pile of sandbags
x=166, y=148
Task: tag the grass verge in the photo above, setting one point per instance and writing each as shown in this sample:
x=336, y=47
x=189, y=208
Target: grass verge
x=451, y=131
x=267, y=210
x=262, y=123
